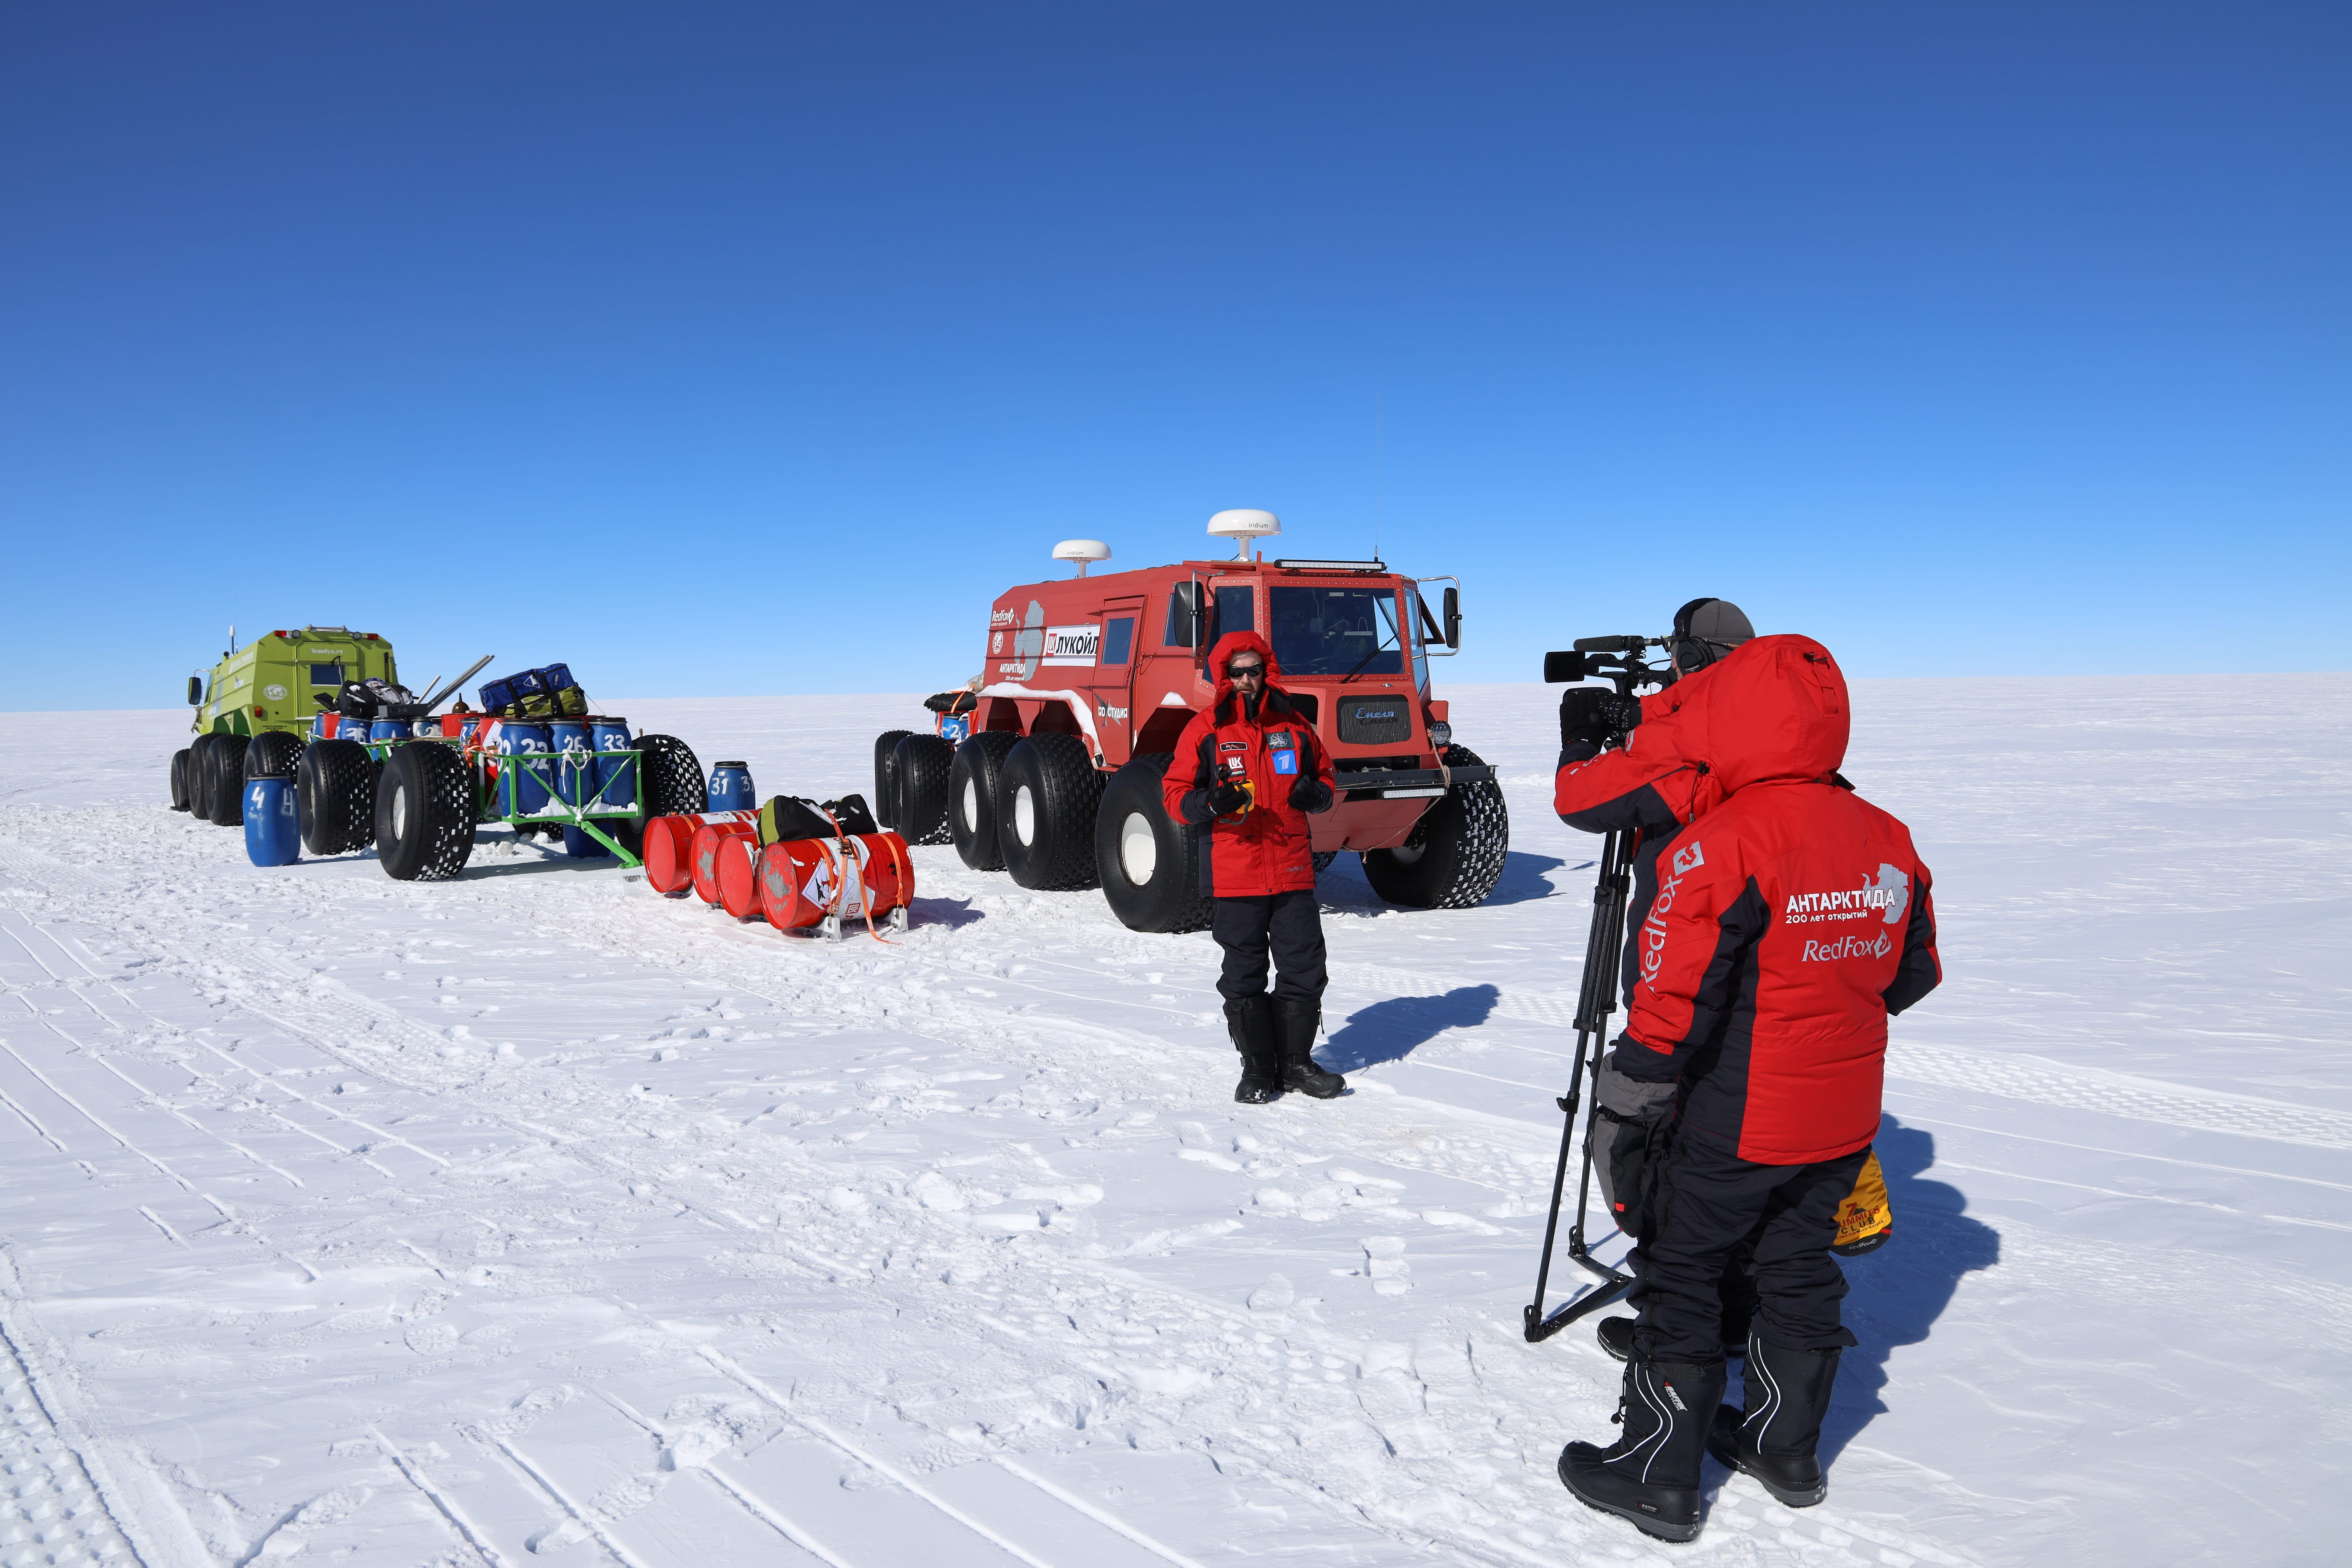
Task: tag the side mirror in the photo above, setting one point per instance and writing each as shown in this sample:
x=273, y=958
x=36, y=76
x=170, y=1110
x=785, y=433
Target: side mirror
x=196, y=691
x=1559, y=667
x=1453, y=618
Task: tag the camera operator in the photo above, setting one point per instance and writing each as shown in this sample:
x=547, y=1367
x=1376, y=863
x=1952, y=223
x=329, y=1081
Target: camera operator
x=1247, y=769
x=1762, y=967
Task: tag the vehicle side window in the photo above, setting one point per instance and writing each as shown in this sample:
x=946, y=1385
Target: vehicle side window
x=1233, y=614
x=1118, y=641
x=326, y=674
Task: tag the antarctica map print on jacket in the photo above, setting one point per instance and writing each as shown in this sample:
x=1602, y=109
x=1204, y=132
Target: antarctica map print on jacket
x=532, y=1216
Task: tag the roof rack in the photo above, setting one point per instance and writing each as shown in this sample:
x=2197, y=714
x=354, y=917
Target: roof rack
x=1333, y=566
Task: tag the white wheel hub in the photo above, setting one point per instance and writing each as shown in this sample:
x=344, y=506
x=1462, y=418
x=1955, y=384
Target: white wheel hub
x=970, y=803
x=399, y=812
x=1025, y=815
x=1138, y=848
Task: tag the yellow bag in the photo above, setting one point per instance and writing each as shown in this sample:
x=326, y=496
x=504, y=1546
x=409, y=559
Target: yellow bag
x=1864, y=1221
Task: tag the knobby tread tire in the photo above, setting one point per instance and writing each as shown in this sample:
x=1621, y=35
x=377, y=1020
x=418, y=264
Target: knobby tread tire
x=1066, y=789
x=200, y=798
x=972, y=797
x=671, y=777
x=334, y=793
x=180, y=780
x=1454, y=855
x=1171, y=900
x=425, y=813
x=274, y=755
x=886, y=776
x=924, y=764
x=224, y=760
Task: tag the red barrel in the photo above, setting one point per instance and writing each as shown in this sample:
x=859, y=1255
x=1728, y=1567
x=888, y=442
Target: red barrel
x=802, y=880
x=739, y=875
x=669, y=848
x=708, y=838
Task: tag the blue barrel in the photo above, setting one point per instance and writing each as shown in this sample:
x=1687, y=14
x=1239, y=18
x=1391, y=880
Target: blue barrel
x=730, y=788
x=273, y=834
x=467, y=725
x=319, y=725
x=579, y=846
x=390, y=730
x=520, y=791
x=424, y=728
x=574, y=762
x=617, y=777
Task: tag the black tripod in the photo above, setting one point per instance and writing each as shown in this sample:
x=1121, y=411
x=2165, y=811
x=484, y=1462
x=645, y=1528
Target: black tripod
x=1602, y=949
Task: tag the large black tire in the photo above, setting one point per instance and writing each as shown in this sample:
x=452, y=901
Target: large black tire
x=924, y=763
x=423, y=813
x=1149, y=864
x=180, y=781
x=224, y=763
x=673, y=781
x=1323, y=858
x=334, y=793
x=273, y=754
x=200, y=793
x=1046, y=796
x=886, y=776
x=972, y=797
x=1454, y=855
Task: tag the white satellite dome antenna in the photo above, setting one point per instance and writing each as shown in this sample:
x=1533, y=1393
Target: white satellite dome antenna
x=1085, y=551
x=1243, y=523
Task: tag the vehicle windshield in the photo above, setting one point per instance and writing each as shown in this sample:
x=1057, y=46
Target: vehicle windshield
x=1336, y=631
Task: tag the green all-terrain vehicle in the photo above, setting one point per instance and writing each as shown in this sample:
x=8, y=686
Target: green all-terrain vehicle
x=273, y=685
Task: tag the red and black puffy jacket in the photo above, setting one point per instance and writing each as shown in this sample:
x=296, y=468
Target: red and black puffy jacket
x=1263, y=849
x=1790, y=921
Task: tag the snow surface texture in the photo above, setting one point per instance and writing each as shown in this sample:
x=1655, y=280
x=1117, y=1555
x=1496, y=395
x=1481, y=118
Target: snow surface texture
x=534, y=1216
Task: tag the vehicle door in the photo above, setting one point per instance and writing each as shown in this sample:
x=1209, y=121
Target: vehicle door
x=1121, y=620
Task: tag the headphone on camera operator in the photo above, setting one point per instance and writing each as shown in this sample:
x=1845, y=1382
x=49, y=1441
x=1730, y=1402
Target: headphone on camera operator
x=1592, y=717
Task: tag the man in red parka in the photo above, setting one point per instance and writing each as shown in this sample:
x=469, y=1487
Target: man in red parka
x=1248, y=769
x=1788, y=923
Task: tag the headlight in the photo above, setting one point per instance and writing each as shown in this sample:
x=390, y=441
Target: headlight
x=1441, y=734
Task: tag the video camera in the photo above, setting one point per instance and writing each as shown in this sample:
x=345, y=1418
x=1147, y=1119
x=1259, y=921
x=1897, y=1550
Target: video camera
x=1618, y=661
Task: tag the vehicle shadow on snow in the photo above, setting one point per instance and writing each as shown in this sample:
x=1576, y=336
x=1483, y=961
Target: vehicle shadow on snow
x=1899, y=1291
x=1342, y=887
x=952, y=913
x=1388, y=1031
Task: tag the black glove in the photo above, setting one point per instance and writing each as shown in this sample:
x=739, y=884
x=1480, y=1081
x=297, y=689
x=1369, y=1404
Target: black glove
x=1227, y=798
x=1310, y=795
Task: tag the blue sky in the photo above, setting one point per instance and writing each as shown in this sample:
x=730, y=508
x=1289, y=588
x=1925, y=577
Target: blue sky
x=752, y=348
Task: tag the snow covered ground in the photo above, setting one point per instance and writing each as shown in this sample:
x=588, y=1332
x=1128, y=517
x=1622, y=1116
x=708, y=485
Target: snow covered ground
x=535, y=1216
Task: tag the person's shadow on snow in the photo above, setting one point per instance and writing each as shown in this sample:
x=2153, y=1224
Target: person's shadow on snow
x=1897, y=1292
x=1388, y=1031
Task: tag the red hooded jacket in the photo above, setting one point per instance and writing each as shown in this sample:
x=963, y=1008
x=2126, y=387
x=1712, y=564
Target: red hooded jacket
x=1263, y=849
x=1789, y=922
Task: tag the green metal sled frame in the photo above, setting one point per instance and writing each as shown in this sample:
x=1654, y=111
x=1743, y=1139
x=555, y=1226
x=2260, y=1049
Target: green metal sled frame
x=536, y=766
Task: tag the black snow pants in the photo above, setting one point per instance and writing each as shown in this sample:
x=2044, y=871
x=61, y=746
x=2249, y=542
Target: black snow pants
x=1710, y=1212
x=1290, y=925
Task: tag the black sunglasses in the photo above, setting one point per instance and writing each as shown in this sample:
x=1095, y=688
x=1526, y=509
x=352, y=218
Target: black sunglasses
x=1241, y=671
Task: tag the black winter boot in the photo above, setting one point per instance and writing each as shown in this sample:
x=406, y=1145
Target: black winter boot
x=1650, y=1475
x=1294, y=1025
x=1774, y=1439
x=1616, y=1337
x=1250, y=1019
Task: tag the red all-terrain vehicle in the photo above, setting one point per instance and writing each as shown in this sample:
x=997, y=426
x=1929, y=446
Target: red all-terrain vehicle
x=1089, y=681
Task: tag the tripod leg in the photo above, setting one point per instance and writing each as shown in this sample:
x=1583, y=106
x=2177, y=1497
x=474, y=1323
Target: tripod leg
x=1533, y=1312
